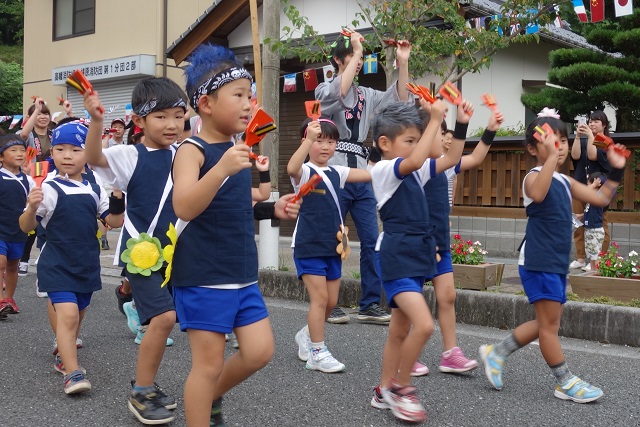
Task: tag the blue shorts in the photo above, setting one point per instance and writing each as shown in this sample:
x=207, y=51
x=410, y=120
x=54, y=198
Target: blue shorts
x=11, y=251
x=443, y=266
x=151, y=299
x=218, y=310
x=397, y=286
x=328, y=266
x=543, y=286
x=82, y=299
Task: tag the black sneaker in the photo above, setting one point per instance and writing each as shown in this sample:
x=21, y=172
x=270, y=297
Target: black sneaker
x=216, y=419
x=338, y=316
x=166, y=401
x=105, y=245
x=374, y=313
x=122, y=298
x=148, y=409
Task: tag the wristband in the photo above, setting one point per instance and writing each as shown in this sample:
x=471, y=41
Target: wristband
x=460, y=131
x=264, y=177
x=116, y=206
x=487, y=136
x=616, y=175
x=263, y=210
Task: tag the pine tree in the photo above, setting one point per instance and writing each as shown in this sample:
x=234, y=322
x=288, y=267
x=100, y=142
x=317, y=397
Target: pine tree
x=590, y=79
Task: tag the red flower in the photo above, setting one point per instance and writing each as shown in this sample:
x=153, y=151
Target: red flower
x=615, y=244
x=457, y=237
x=608, y=263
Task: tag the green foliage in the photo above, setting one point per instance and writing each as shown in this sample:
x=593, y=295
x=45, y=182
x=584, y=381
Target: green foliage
x=11, y=54
x=11, y=22
x=442, y=45
x=517, y=130
x=603, y=300
x=11, y=88
x=592, y=79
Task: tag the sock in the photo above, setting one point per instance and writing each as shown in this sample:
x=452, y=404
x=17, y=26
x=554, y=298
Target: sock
x=507, y=346
x=317, y=345
x=305, y=330
x=447, y=354
x=143, y=390
x=561, y=372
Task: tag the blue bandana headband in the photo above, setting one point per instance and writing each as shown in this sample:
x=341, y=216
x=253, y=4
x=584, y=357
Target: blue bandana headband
x=217, y=81
x=72, y=133
x=12, y=144
x=143, y=110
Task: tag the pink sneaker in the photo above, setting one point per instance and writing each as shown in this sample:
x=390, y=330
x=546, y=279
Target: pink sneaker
x=419, y=370
x=456, y=362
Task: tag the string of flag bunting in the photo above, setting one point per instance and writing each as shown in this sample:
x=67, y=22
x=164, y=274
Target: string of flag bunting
x=16, y=118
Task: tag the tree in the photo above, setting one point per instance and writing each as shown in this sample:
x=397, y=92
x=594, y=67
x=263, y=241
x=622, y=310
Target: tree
x=11, y=88
x=11, y=22
x=443, y=44
x=590, y=79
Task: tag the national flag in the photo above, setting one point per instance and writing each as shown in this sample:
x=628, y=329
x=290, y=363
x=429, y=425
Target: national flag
x=597, y=10
x=310, y=79
x=5, y=118
x=128, y=110
x=15, y=121
x=623, y=7
x=558, y=21
x=578, y=7
x=329, y=73
x=533, y=27
x=370, y=64
x=289, y=83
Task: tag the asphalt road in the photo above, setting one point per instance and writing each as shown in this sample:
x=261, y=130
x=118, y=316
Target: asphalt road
x=286, y=394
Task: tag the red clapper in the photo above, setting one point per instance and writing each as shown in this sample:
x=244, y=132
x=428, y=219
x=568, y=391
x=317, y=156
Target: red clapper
x=603, y=141
x=540, y=131
x=261, y=124
x=451, y=93
x=307, y=187
x=31, y=154
x=60, y=100
x=490, y=101
x=39, y=171
x=313, y=109
x=347, y=33
x=421, y=92
x=78, y=81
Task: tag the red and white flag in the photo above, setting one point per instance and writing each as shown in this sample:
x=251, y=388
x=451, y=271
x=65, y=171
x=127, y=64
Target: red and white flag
x=623, y=7
x=289, y=83
x=328, y=73
x=578, y=7
x=597, y=10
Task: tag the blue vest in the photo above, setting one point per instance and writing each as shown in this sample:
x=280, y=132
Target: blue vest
x=408, y=246
x=70, y=260
x=13, y=199
x=218, y=246
x=548, y=236
x=318, y=220
x=144, y=193
x=437, y=192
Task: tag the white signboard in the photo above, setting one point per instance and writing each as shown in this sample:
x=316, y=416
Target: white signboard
x=108, y=69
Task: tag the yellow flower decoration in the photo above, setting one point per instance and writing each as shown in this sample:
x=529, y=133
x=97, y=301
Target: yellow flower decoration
x=143, y=255
x=167, y=252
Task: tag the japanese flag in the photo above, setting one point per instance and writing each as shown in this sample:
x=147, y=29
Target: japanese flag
x=623, y=7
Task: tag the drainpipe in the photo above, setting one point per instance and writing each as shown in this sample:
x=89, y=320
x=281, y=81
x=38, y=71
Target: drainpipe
x=164, y=36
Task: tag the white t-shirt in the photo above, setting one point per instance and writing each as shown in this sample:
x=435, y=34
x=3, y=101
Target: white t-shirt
x=50, y=199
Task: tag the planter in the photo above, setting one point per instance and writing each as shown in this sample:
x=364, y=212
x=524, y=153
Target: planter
x=477, y=277
x=590, y=285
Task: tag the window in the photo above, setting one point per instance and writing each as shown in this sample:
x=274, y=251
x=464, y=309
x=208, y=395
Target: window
x=72, y=18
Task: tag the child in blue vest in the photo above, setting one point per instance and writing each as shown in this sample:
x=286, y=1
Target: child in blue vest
x=14, y=189
x=544, y=256
x=215, y=264
x=453, y=359
x=405, y=250
x=69, y=265
x=143, y=171
x=314, y=240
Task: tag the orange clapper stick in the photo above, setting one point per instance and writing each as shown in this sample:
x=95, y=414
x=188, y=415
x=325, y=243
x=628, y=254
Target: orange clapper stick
x=31, y=154
x=540, y=132
x=39, y=171
x=260, y=125
x=603, y=141
x=490, y=101
x=451, y=93
x=307, y=187
x=313, y=109
x=421, y=92
x=347, y=33
x=78, y=81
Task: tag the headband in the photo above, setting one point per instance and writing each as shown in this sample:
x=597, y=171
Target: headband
x=320, y=120
x=216, y=81
x=72, y=133
x=150, y=106
x=13, y=144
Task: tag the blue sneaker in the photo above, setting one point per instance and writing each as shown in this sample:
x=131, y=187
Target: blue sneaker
x=133, y=321
x=493, y=365
x=140, y=335
x=76, y=382
x=577, y=390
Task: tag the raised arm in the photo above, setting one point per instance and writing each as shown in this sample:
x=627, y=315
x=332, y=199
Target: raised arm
x=93, y=144
x=421, y=152
x=536, y=185
x=478, y=154
x=31, y=120
x=349, y=72
x=452, y=157
x=403, y=52
x=294, y=167
x=603, y=196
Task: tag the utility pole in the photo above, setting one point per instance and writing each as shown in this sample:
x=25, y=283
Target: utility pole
x=270, y=229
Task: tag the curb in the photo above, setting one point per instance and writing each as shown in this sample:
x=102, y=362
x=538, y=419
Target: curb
x=594, y=322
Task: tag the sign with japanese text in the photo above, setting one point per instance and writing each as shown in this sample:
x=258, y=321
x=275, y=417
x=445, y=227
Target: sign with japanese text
x=108, y=68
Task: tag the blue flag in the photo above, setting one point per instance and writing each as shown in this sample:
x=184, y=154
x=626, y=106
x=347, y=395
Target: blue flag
x=371, y=63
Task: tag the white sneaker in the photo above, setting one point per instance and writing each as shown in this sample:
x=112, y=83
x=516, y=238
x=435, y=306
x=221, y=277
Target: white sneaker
x=586, y=267
x=304, y=343
x=38, y=293
x=322, y=360
x=576, y=264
